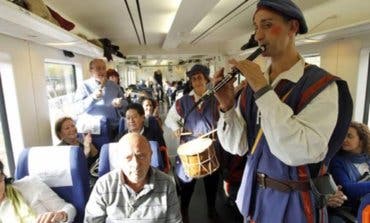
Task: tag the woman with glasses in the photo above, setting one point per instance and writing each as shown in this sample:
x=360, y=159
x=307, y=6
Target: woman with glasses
x=31, y=200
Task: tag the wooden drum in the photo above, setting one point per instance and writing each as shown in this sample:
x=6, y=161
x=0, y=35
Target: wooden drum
x=198, y=157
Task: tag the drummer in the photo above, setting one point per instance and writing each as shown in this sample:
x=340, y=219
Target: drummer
x=200, y=121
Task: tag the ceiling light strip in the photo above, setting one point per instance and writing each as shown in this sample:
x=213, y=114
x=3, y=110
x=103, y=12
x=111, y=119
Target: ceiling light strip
x=218, y=21
x=224, y=22
x=132, y=21
x=141, y=20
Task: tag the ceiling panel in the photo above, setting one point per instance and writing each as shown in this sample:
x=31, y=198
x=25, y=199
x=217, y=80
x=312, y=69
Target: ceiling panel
x=109, y=18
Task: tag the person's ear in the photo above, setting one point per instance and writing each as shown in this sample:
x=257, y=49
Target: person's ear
x=294, y=27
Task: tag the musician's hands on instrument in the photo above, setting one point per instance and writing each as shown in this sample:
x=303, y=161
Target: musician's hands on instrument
x=252, y=73
x=117, y=102
x=242, y=84
x=177, y=132
x=225, y=95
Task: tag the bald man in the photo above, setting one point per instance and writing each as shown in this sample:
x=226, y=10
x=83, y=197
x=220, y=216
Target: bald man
x=135, y=191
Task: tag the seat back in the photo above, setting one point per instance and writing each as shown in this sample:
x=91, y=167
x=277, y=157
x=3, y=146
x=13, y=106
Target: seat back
x=62, y=168
x=110, y=159
x=363, y=215
x=121, y=125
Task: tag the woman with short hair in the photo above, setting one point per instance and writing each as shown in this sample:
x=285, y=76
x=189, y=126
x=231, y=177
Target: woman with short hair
x=66, y=131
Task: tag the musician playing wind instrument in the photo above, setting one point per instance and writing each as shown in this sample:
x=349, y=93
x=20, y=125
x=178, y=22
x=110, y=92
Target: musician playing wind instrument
x=201, y=120
x=289, y=120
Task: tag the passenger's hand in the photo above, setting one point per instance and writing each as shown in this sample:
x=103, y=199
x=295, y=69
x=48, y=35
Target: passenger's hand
x=89, y=148
x=87, y=139
x=252, y=73
x=50, y=217
x=87, y=144
x=156, y=112
x=117, y=102
x=225, y=95
x=97, y=94
x=337, y=199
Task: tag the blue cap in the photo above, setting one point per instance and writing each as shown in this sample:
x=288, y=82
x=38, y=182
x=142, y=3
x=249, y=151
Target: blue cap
x=287, y=8
x=198, y=68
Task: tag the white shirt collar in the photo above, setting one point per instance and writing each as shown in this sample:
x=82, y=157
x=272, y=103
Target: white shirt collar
x=196, y=97
x=141, y=131
x=293, y=74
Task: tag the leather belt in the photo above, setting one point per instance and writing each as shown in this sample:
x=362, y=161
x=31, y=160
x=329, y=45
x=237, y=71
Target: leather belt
x=282, y=185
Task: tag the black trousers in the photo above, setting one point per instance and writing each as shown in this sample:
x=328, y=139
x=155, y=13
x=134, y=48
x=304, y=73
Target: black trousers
x=210, y=186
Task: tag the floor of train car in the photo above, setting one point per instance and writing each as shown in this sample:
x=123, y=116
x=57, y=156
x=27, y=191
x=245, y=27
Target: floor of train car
x=198, y=207
x=198, y=204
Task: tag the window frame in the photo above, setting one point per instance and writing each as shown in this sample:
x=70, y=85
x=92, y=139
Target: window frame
x=6, y=132
x=367, y=96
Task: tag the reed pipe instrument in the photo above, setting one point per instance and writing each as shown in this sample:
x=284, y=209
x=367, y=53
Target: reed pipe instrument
x=222, y=83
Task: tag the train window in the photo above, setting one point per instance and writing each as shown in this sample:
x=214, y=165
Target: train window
x=312, y=59
x=130, y=76
x=60, y=79
x=5, y=147
x=61, y=85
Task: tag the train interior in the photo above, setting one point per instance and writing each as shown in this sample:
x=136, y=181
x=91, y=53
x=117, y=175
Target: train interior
x=45, y=56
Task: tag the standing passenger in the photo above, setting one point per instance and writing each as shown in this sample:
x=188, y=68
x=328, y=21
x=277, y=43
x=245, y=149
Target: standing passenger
x=290, y=121
x=99, y=97
x=201, y=120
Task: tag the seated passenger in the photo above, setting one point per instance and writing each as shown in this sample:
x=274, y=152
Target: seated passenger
x=31, y=200
x=135, y=191
x=135, y=121
x=66, y=131
x=151, y=109
x=350, y=167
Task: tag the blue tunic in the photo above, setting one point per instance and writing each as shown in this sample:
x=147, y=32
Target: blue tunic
x=200, y=120
x=270, y=205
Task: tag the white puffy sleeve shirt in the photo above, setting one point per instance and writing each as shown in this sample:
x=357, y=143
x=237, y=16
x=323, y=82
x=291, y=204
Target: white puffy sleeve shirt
x=293, y=139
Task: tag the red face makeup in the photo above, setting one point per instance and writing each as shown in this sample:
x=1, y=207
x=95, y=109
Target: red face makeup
x=275, y=30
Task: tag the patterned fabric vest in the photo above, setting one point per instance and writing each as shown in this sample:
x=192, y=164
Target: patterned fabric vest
x=201, y=120
x=269, y=205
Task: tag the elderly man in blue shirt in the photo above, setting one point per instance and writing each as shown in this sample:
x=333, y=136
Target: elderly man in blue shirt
x=100, y=98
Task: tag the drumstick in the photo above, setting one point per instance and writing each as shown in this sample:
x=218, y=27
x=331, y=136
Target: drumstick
x=186, y=133
x=207, y=134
